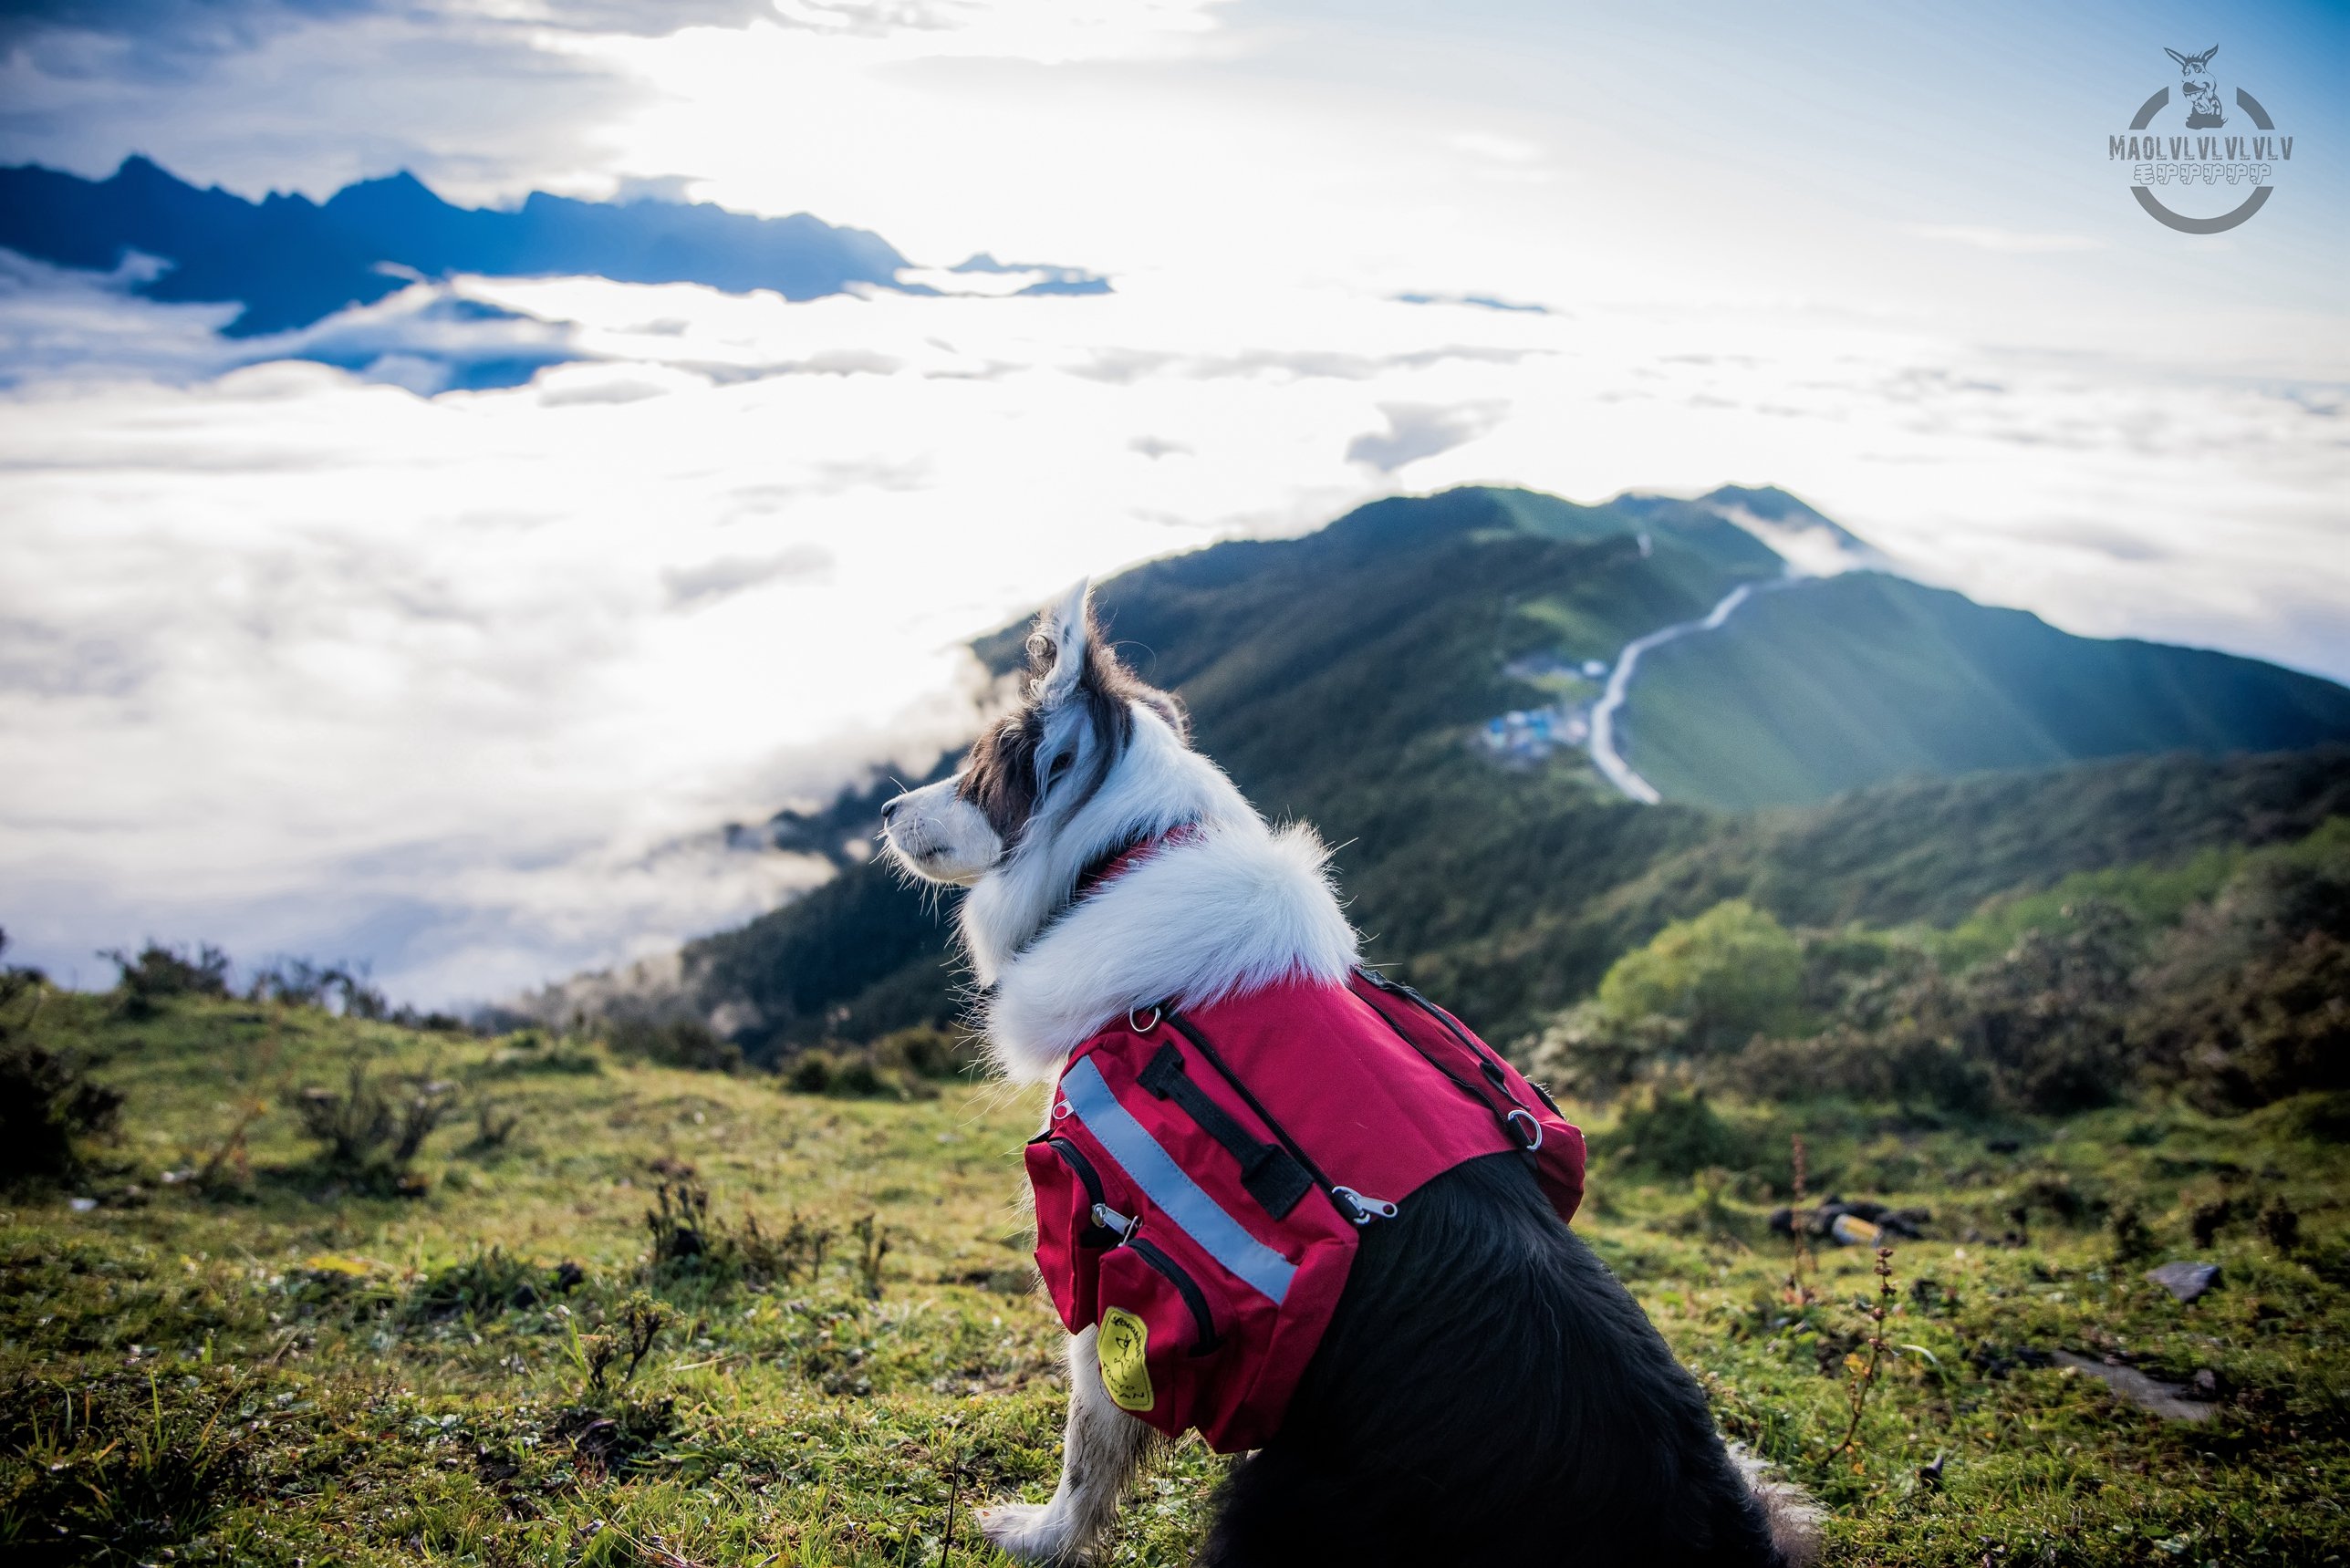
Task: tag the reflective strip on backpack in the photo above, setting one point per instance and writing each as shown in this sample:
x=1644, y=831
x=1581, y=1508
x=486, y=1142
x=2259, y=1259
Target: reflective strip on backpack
x=1170, y=1190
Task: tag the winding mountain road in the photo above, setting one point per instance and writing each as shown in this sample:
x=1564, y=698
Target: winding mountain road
x=1610, y=761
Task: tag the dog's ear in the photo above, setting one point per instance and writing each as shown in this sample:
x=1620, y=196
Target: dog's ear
x=1060, y=646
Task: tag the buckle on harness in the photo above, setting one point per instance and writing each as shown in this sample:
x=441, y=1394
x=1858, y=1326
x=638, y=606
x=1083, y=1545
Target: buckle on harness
x=1138, y=1023
x=1529, y=1130
x=1359, y=1210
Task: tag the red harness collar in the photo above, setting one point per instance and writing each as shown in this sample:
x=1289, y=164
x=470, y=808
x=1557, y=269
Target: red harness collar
x=1119, y=862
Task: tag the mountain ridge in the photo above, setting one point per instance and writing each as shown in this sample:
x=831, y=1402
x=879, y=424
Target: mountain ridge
x=1347, y=676
x=291, y=261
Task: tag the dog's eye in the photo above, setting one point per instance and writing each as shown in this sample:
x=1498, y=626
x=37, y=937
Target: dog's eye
x=1060, y=765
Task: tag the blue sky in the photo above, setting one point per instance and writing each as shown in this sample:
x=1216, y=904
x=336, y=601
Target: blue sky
x=344, y=663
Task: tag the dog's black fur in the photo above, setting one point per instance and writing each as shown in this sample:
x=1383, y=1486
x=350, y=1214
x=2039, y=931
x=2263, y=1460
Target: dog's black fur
x=1488, y=1393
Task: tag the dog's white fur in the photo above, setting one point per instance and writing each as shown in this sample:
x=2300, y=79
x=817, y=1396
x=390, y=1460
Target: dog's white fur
x=1240, y=908
x=1233, y=907
x=1794, y=1517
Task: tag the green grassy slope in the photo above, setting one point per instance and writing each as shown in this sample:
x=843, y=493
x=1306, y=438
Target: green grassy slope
x=284, y=1369
x=1828, y=686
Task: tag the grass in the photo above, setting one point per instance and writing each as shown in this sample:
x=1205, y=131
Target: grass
x=291, y=1366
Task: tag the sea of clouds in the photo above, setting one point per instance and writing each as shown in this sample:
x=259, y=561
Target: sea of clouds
x=305, y=659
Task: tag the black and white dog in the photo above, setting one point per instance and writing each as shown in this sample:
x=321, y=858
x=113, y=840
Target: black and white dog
x=1487, y=1392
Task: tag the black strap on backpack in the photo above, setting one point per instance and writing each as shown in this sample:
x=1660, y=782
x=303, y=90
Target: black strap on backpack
x=1523, y=1127
x=1270, y=1173
x=1354, y=1207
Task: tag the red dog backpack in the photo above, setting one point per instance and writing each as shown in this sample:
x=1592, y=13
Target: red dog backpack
x=1204, y=1176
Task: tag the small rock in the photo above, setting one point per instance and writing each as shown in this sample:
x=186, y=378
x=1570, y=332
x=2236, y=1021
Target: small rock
x=2168, y=1400
x=2184, y=1280
x=81, y=1205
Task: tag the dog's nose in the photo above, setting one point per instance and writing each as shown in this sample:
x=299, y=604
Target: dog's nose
x=889, y=808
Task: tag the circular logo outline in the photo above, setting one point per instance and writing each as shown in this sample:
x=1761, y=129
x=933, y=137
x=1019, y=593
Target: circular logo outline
x=2225, y=221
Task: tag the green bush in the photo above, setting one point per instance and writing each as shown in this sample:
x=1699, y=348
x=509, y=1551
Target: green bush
x=47, y=1098
x=928, y=1051
x=810, y=1072
x=1721, y=979
x=1676, y=1134
x=1589, y=1052
x=879, y=1071
x=371, y=1133
x=2242, y=1003
x=1907, y=1068
x=157, y=973
x=675, y=1043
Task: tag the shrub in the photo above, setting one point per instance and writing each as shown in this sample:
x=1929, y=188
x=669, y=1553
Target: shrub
x=158, y=973
x=2133, y=1239
x=854, y=1074
x=372, y=1133
x=298, y=983
x=482, y=1285
x=2046, y=1017
x=2280, y=1227
x=529, y=1050
x=858, y=1078
x=929, y=1052
x=810, y=1072
x=494, y=1125
x=690, y=1241
x=1591, y=1052
x=636, y=1326
x=2242, y=1005
x=1677, y=1134
x=1722, y=978
x=1904, y=1066
x=46, y=1098
x=872, y=1248
x=676, y=1042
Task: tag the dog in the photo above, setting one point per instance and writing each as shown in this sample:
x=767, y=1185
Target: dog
x=1487, y=1391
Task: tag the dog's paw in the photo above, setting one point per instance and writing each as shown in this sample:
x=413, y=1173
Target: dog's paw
x=1028, y=1532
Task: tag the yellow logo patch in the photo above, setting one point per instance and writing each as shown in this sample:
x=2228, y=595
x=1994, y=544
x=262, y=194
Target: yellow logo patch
x=1123, y=1342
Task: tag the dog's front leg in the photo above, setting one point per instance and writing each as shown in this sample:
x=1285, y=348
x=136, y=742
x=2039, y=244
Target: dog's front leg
x=1100, y=1452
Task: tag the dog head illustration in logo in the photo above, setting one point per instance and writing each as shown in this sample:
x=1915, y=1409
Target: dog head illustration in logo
x=2202, y=92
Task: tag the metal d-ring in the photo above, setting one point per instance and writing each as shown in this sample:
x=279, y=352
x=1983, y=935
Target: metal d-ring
x=1136, y=1022
x=1532, y=1134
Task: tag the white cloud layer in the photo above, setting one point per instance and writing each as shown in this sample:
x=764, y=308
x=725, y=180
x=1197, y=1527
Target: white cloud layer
x=297, y=661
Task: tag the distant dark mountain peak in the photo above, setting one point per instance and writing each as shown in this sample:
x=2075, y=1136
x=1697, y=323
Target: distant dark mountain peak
x=291, y=261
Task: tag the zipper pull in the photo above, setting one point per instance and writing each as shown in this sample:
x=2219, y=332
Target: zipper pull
x=1110, y=1219
x=1358, y=1209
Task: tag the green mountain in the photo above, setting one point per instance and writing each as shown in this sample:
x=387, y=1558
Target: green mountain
x=1834, y=684
x=1352, y=677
